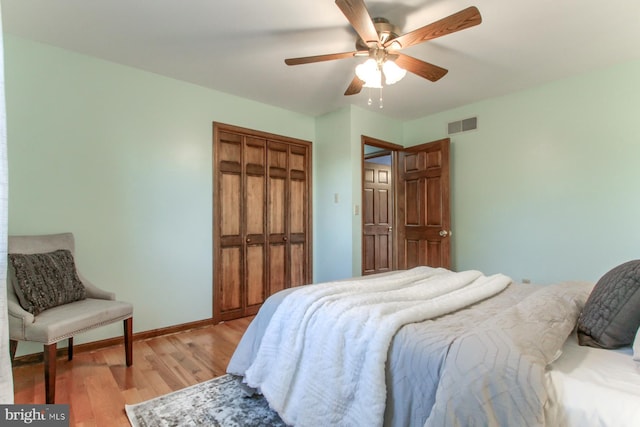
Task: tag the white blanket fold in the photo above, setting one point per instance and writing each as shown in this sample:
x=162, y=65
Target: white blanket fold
x=322, y=358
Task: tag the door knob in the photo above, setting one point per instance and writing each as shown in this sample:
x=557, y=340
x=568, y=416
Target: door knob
x=443, y=233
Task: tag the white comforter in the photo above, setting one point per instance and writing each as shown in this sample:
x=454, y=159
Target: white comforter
x=331, y=341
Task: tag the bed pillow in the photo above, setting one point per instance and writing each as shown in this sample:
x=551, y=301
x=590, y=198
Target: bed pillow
x=636, y=347
x=45, y=280
x=611, y=315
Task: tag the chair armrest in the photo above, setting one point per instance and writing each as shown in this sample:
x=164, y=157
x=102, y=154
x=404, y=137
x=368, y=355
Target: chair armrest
x=95, y=292
x=19, y=318
x=16, y=310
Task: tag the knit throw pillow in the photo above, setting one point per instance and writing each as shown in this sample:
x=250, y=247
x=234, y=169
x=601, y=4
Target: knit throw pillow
x=45, y=280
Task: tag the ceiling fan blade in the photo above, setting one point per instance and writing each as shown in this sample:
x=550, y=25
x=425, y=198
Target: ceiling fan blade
x=319, y=58
x=420, y=68
x=358, y=15
x=464, y=19
x=354, y=87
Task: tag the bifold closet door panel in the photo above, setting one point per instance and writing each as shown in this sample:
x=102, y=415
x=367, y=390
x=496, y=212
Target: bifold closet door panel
x=298, y=215
x=277, y=213
x=254, y=193
x=262, y=211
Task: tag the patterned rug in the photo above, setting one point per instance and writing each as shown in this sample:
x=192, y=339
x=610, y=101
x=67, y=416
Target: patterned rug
x=222, y=402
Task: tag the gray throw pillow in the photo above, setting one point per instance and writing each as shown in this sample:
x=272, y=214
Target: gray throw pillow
x=611, y=315
x=45, y=280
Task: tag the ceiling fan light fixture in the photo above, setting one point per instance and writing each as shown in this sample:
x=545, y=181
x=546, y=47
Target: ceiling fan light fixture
x=375, y=80
x=369, y=73
x=392, y=72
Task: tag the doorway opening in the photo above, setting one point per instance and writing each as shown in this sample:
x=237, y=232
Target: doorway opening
x=406, y=212
x=379, y=160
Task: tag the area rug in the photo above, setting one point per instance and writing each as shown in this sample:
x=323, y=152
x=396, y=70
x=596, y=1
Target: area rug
x=220, y=402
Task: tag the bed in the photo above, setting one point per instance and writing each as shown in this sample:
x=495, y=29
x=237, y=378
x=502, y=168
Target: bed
x=463, y=349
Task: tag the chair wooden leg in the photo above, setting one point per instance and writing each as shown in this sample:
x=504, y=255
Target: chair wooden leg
x=13, y=346
x=70, y=349
x=128, y=340
x=50, y=372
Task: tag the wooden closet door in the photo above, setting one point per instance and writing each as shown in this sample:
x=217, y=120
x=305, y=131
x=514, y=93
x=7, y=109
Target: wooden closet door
x=288, y=213
x=299, y=215
x=254, y=222
x=229, y=226
x=262, y=217
x=241, y=187
x=278, y=233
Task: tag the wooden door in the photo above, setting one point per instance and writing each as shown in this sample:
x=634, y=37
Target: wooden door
x=288, y=213
x=377, y=216
x=299, y=215
x=277, y=227
x=424, y=211
x=262, y=218
x=241, y=249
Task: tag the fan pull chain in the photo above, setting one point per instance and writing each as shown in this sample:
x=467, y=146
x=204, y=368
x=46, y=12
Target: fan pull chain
x=380, y=100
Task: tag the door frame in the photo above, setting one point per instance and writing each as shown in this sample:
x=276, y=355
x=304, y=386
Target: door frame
x=393, y=151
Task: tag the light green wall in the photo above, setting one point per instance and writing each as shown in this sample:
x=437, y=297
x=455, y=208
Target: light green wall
x=337, y=163
x=547, y=187
x=333, y=245
x=122, y=158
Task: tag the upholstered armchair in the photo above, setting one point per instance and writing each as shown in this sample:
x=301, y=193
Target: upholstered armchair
x=42, y=266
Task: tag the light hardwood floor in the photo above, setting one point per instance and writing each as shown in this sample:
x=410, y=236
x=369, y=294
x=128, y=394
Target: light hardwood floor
x=97, y=384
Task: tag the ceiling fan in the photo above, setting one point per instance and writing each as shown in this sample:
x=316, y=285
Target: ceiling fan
x=380, y=42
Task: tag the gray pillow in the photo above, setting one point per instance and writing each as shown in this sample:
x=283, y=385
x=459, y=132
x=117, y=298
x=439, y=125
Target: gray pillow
x=45, y=280
x=611, y=315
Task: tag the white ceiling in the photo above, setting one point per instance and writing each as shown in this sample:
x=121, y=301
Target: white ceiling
x=238, y=46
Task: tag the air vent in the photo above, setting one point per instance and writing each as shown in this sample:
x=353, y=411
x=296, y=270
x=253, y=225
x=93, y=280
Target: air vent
x=463, y=125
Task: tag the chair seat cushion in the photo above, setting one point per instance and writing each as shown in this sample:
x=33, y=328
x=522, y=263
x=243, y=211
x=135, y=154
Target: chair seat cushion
x=45, y=280
x=67, y=320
